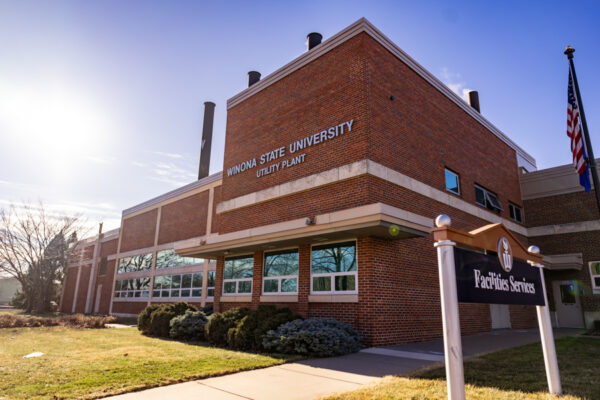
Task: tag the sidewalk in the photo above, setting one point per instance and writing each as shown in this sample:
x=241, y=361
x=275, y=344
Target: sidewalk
x=311, y=379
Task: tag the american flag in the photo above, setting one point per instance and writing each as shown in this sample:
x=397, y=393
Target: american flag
x=577, y=142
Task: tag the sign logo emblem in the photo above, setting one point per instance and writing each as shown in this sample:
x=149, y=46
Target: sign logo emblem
x=505, y=254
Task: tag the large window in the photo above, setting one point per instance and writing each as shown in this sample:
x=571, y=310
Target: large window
x=140, y=262
x=210, y=290
x=280, y=274
x=138, y=287
x=237, y=275
x=488, y=199
x=333, y=268
x=185, y=285
x=169, y=259
x=595, y=274
x=452, y=182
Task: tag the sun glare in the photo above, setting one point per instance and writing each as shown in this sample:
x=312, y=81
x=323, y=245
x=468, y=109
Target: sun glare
x=56, y=125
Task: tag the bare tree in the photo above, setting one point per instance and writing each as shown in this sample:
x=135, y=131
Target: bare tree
x=35, y=248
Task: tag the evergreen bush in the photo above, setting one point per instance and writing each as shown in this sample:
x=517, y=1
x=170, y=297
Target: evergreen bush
x=189, y=326
x=156, y=320
x=247, y=335
x=320, y=337
x=219, y=324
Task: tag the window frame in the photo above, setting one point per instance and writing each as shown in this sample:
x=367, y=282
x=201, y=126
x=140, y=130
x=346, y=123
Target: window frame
x=208, y=287
x=512, y=206
x=486, y=195
x=170, y=289
x=238, y=280
x=199, y=261
x=279, y=278
x=457, y=181
x=117, y=294
x=332, y=275
x=148, y=268
x=595, y=288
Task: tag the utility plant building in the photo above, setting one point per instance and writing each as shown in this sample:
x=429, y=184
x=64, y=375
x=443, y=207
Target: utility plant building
x=334, y=167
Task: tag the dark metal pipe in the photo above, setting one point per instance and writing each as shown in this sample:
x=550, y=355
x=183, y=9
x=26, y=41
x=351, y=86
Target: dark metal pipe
x=313, y=39
x=474, y=100
x=207, y=131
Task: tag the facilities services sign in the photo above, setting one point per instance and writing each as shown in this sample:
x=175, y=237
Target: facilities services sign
x=482, y=278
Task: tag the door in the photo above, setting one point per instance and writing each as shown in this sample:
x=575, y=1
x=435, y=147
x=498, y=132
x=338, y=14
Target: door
x=568, y=304
x=98, y=295
x=500, y=316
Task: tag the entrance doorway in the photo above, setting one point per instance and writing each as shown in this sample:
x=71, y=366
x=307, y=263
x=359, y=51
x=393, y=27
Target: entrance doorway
x=500, y=316
x=568, y=304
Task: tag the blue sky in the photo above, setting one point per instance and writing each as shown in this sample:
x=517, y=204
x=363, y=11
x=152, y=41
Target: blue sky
x=101, y=101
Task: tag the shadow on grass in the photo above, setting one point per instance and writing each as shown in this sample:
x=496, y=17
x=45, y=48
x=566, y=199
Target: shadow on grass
x=522, y=368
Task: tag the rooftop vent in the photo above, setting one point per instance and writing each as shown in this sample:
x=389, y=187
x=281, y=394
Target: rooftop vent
x=313, y=39
x=253, y=77
x=474, y=100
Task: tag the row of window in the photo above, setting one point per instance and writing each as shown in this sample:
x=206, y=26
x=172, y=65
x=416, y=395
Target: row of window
x=483, y=197
x=164, y=259
x=184, y=285
x=333, y=270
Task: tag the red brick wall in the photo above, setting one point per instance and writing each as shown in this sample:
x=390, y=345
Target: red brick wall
x=421, y=132
x=561, y=209
x=69, y=289
x=523, y=317
x=138, y=232
x=184, y=219
x=328, y=91
x=124, y=307
x=109, y=248
x=214, y=228
x=107, y=282
x=82, y=291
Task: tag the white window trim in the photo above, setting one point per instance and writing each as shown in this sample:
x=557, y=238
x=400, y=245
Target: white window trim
x=457, y=181
x=279, y=278
x=333, y=274
x=595, y=287
x=237, y=287
x=237, y=280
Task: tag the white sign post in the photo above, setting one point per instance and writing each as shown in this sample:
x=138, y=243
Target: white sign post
x=547, y=336
x=455, y=379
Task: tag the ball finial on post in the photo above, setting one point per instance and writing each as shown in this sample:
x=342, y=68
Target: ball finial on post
x=533, y=249
x=443, y=221
x=569, y=52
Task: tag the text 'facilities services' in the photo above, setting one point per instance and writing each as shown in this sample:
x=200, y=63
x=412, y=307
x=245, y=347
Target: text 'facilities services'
x=298, y=145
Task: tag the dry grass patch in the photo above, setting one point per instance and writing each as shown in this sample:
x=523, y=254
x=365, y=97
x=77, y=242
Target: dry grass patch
x=18, y=320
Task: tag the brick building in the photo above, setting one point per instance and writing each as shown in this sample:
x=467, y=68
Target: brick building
x=335, y=166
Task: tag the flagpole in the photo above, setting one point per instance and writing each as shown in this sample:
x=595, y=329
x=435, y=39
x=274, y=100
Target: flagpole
x=588, y=144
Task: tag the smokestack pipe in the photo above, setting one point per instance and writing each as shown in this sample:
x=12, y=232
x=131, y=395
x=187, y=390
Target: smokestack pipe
x=253, y=77
x=474, y=100
x=313, y=39
x=207, y=130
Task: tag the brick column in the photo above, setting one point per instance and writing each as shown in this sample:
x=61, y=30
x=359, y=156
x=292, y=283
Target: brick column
x=257, y=279
x=218, y=284
x=303, y=279
x=367, y=289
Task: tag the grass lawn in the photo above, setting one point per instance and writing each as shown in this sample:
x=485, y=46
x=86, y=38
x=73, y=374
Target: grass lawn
x=90, y=363
x=515, y=374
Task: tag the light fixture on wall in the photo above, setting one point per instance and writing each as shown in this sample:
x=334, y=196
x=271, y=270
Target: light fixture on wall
x=310, y=221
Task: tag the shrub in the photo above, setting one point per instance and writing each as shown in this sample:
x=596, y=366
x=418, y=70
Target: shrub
x=314, y=337
x=207, y=310
x=219, y=324
x=14, y=320
x=189, y=326
x=247, y=335
x=143, y=321
x=156, y=320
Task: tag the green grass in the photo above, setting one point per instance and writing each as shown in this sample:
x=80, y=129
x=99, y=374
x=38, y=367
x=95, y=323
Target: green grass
x=91, y=363
x=515, y=374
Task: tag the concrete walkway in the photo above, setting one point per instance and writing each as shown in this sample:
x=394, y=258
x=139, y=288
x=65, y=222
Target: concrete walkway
x=312, y=379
